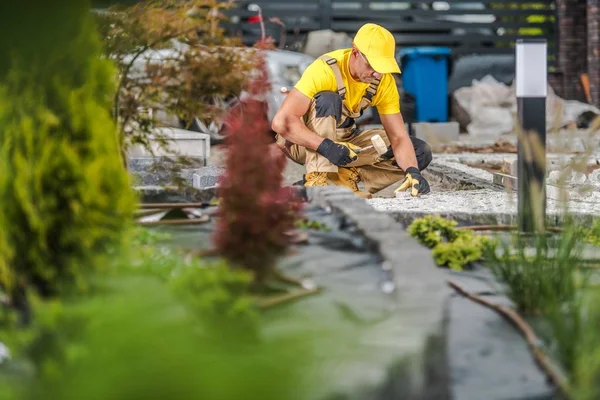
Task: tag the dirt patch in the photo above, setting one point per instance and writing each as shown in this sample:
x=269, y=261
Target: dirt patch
x=491, y=168
x=495, y=167
x=591, y=168
x=500, y=146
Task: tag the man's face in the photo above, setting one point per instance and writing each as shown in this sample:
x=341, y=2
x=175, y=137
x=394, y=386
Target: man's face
x=365, y=72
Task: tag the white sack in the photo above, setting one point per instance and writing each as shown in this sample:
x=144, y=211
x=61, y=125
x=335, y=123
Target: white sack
x=492, y=108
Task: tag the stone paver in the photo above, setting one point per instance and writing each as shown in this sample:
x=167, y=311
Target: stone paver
x=488, y=357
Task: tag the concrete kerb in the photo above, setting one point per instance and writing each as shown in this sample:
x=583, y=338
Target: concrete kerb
x=419, y=283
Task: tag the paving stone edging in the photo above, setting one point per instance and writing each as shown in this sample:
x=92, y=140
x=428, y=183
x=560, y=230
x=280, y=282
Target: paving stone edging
x=420, y=288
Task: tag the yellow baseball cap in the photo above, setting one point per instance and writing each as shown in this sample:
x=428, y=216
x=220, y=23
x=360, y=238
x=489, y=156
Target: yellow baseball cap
x=379, y=46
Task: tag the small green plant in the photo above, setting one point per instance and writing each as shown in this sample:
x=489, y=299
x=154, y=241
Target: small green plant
x=432, y=230
x=592, y=234
x=305, y=223
x=452, y=248
x=142, y=236
x=465, y=249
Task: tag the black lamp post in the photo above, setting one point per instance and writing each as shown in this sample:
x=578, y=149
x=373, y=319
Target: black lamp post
x=531, y=90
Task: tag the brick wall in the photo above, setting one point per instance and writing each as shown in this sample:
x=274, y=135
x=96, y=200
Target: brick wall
x=572, y=45
x=555, y=80
x=593, y=45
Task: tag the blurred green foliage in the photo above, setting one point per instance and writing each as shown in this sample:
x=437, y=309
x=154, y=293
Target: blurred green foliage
x=219, y=295
x=138, y=342
x=64, y=192
x=586, y=356
x=187, y=334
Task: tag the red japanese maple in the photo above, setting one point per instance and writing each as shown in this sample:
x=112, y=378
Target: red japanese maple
x=255, y=209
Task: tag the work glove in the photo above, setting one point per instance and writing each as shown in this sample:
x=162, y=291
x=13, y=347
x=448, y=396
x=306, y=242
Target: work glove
x=386, y=156
x=414, y=180
x=338, y=153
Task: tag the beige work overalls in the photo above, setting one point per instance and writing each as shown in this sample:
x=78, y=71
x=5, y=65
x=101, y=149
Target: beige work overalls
x=375, y=173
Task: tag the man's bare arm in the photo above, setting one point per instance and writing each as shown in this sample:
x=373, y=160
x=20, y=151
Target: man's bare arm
x=288, y=121
x=402, y=146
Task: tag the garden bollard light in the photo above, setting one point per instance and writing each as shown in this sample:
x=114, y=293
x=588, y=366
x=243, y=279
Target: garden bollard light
x=531, y=90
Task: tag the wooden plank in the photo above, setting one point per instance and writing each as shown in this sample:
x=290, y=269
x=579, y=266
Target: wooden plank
x=411, y=2
x=423, y=39
x=300, y=10
x=292, y=12
x=391, y=14
x=399, y=26
x=267, y=3
x=387, y=14
x=290, y=28
x=419, y=2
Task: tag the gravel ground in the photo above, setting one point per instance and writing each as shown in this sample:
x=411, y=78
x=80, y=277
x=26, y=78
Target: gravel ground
x=585, y=199
x=475, y=202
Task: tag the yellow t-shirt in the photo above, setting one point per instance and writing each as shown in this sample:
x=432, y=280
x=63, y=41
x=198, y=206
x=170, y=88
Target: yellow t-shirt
x=319, y=77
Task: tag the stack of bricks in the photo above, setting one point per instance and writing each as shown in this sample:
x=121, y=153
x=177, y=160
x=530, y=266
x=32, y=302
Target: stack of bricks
x=572, y=46
x=593, y=49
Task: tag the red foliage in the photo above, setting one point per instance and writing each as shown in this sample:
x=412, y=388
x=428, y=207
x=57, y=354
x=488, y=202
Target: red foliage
x=255, y=209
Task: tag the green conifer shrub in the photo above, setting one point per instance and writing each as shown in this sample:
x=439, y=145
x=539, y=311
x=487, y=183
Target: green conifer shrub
x=63, y=190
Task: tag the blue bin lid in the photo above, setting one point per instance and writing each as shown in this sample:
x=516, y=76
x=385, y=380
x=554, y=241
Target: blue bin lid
x=424, y=51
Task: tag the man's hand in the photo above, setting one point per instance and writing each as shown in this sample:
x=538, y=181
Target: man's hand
x=414, y=180
x=338, y=153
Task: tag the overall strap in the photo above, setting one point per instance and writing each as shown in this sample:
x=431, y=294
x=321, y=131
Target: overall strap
x=341, y=89
x=369, y=94
x=332, y=62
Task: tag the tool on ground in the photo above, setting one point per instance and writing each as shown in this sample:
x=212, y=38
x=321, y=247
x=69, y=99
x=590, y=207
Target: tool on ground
x=378, y=144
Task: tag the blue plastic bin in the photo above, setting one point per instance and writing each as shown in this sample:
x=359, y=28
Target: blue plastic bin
x=425, y=76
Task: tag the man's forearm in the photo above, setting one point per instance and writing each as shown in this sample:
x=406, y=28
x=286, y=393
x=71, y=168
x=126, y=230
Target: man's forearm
x=402, y=145
x=404, y=153
x=296, y=132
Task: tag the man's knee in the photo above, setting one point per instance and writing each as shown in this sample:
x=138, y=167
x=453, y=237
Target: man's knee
x=423, y=152
x=328, y=104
